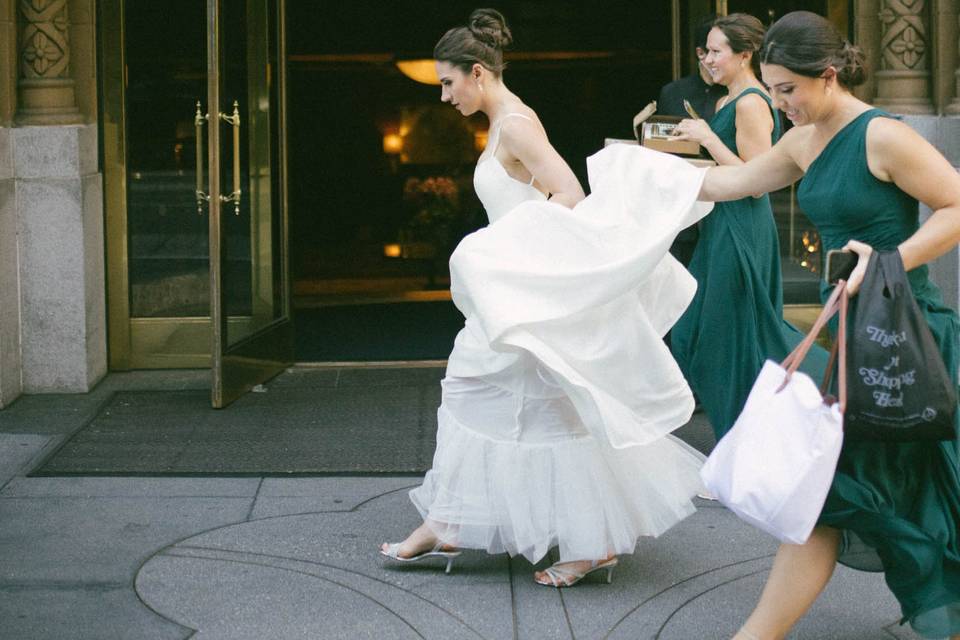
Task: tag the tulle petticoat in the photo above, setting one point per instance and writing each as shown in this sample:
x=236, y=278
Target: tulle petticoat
x=521, y=474
x=560, y=394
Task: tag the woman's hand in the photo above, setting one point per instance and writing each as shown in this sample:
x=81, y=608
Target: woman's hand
x=700, y=132
x=697, y=130
x=856, y=276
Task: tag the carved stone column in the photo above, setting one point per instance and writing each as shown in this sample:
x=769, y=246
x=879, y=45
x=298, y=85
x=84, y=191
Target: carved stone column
x=903, y=81
x=866, y=16
x=46, y=89
x=954, y=106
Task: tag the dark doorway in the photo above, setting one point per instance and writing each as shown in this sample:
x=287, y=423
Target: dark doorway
x=769, y=11
x=369, y=277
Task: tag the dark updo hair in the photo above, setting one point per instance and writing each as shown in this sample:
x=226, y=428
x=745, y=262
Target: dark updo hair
x=744, y=33
x=703, y=30
x=807, y=44
x=482, y=41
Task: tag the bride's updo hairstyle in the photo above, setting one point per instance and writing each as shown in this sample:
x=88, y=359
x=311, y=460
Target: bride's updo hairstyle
x=744, y=33
x=482, y=41
x=807, y=44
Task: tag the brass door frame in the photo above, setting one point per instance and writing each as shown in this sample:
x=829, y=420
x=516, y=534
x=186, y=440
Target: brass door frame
x=133, y=342
x=110, y=20
x=237, y=367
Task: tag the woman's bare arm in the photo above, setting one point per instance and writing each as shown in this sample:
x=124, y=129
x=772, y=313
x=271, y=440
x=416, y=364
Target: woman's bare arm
x=754, y=127
x=526, y=142
x=769, y=171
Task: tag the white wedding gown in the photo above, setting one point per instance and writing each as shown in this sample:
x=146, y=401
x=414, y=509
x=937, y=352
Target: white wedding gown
x=560, y=394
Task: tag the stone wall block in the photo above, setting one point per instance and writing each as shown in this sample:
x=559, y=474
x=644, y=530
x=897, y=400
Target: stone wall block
x=46, y=152
x=51, y=280
x=8, y=71
x=944, y=134
x=83, y=65
x=88, y=149
x=81, y=11
x=949, y=137
x=95, y=293
x=61, y=267
x=10, y=366
x=945, y=270
x=6, y=153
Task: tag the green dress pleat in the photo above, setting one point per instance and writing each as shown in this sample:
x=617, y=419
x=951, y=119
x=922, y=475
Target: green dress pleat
x=897, y=504
x=735, y=321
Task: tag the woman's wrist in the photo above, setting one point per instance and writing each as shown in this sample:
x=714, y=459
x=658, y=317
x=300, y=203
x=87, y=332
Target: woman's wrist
x=710, y=143
x=719, y=151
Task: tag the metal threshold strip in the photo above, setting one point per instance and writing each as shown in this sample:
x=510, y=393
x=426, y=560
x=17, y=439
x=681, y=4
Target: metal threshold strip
x=385, y=364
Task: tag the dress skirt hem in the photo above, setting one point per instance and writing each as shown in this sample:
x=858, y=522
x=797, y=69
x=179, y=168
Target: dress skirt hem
x=578, y=493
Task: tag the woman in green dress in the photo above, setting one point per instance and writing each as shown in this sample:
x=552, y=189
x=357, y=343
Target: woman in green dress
x=735, y=321
x=892, y=507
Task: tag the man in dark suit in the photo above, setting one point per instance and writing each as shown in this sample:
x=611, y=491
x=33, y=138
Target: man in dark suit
x=698, y=87
x=703, y=94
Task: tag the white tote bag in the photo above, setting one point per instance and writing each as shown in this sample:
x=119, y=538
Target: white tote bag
x=774, y=467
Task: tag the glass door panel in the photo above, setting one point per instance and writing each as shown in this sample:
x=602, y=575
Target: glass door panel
x=152, y=69
x=167, y=236
x=251, y=331
x=250, y=249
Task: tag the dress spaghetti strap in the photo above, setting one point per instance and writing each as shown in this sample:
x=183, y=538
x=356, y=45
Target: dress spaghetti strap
x=497, y=142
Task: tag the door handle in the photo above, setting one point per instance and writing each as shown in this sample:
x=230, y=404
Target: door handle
x=234, y=120
x=199, y=119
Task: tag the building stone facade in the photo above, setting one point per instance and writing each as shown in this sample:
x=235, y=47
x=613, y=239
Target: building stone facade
x=52, y=271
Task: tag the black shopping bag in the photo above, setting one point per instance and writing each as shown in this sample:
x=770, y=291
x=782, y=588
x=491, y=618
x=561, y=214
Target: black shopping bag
x=897, y=385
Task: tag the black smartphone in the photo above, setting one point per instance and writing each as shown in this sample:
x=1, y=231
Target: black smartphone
x=840, y=265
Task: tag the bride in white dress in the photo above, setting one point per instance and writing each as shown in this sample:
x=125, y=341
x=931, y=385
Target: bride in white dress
x=559, y=395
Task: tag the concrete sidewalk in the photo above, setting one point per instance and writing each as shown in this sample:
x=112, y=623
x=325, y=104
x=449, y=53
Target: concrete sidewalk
x=264, y=558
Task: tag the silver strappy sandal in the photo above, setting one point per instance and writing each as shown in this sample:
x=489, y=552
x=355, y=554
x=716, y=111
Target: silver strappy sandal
x=561, y=576
x=393, y=549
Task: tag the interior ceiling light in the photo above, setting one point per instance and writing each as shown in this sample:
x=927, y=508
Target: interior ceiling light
x=423, y=70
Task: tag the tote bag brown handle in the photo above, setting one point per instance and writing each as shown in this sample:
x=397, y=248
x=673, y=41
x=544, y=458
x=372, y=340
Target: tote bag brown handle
x=839, y=349
x=837, y=302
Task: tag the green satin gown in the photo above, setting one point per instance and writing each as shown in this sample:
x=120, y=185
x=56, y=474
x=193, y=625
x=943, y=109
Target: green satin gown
x=897, y=504
x=735, y=321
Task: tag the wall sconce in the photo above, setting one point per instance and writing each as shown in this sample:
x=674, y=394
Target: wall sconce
x=393, y=250
x=480, y=138
x=423, y=70
x=392, y=143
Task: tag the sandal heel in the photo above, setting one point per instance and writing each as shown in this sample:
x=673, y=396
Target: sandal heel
x=561, y=576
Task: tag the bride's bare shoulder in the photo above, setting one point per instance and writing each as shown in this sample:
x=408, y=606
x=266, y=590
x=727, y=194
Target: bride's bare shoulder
x=520, y=113
x=514, y=128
